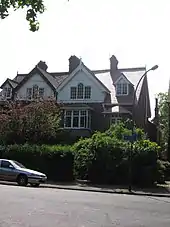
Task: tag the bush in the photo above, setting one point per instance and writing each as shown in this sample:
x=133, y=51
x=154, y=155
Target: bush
x=55, y=161
x=103, y=158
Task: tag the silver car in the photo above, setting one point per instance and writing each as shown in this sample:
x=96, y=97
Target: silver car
x=14, y=171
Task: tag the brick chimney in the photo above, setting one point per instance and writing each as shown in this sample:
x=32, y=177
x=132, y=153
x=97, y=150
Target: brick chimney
x=114, y=68
x=73, y=63
x=42, y=65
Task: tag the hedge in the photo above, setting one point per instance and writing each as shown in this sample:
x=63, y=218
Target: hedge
x=104, y=159
x=55, y=161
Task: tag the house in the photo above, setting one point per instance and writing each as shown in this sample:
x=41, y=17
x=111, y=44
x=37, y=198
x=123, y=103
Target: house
x=91, y=100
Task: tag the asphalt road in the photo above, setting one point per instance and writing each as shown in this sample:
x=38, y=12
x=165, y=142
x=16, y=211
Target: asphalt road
x=40, y=207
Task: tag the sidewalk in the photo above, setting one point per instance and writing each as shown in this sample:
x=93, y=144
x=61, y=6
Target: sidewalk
x=160, y=190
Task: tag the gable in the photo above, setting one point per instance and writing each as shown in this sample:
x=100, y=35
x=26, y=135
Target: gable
x=87, y=73
x=35, y=79
x=98, y=92
x=122, y=79
x=6, y=84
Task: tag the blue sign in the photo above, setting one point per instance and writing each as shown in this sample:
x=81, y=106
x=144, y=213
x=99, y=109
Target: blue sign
x=130, y=138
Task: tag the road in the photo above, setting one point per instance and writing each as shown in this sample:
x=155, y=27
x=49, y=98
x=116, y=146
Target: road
x=41, y=207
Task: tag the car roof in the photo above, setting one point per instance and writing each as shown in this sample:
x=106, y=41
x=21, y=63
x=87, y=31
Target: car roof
x=2, y=159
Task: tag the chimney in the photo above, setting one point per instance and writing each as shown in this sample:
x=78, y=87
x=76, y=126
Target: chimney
x=73, y=63
x=113, y=68
x=42, y=65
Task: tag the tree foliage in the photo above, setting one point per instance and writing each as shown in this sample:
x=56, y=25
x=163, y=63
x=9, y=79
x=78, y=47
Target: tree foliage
x=163, y=118
x=104, y=158
x=33, y=8
x=37, y=122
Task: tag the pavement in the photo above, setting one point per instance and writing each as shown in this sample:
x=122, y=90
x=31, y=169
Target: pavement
x=158, y=191
x=42, y=207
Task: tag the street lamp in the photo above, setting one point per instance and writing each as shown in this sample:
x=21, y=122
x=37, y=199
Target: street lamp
x=133, y=124
x=168, y=102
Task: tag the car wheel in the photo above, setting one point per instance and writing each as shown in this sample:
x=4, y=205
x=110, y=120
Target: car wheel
x=22, y=180
x=35, y=185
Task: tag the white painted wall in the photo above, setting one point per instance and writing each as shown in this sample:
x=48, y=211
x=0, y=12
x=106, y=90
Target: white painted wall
x=97, y=94
x=38, y=80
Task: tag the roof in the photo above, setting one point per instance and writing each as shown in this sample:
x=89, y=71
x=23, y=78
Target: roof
x=133, y=75
x=106, y=79
x=12, y=83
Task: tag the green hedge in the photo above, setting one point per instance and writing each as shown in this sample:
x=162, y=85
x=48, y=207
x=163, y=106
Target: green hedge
x=55, y=161
x=104, y=159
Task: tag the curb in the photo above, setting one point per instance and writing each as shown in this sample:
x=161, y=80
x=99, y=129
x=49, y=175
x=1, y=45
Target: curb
x=106, y=191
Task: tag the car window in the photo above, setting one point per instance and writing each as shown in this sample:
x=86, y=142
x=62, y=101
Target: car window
x=5, y=164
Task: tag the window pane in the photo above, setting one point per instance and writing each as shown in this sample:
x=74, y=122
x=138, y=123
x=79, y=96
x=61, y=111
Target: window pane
x=68, y=112
x=68, y=121
x=75, y=122
x=124, y=89
x=29, y=93
x=87, y=92
x=5, y=164
x=118, y=89
x=8, y=93
x=76, y=113
x=80, y=91
x=41, y=92
x=89, y=120
x=73, y=93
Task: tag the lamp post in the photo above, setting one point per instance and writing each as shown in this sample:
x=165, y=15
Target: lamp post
x=133, y=124
x=168, y=102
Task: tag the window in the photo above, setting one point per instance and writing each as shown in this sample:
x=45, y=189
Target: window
x=41, y=92
x=29, y=93
x=87, y=94
x=7, y=92
x=68, y=119
x=115, y=120
x=35, y=91
x=77, y=119
x=122, y=88
x=5, y=164
x=80, y=92
x=73, y=93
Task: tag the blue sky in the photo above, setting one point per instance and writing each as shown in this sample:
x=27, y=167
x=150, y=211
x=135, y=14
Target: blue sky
x=135, y=31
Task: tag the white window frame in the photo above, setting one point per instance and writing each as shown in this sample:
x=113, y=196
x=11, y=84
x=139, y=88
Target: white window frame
x=123, y=84
x=41, y=89
x=116, y=119
x=87, y=115
x=7, y=92
x=80, y=96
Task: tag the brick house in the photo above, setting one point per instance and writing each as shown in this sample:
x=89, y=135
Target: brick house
x=91, y=100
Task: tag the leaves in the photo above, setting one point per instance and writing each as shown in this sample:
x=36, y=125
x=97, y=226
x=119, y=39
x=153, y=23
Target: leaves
x=34, y=123
x=33, y=7
x=163, y=117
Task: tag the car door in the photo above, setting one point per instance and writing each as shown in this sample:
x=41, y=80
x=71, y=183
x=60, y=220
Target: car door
x=7, y=171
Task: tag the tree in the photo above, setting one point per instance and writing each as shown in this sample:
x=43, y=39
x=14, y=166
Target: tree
x=163, y=118
x=37, y=122
x=34, y=7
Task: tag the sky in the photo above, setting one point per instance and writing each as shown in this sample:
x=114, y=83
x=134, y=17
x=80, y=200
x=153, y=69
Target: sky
x=137, y=32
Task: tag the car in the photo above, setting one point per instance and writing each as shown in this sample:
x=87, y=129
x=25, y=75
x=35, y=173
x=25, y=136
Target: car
x=14, y=171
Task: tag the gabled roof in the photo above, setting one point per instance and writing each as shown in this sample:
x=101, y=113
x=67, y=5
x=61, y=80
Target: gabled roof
x=47, y=77
x=81, y=66
x=12, y=83
x=133, y=75
x=122, y=77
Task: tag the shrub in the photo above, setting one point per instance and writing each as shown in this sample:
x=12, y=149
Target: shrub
x=103, y=158
x=55, y=161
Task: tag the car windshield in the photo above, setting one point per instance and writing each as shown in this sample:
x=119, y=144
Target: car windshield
x=19, y=164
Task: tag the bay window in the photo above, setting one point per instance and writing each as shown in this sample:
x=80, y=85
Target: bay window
x=77, y=119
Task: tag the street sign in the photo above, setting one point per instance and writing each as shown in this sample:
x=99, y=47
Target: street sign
x=130, y=138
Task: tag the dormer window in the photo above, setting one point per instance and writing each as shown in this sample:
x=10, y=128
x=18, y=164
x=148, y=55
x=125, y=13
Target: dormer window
x=7, y=92
x=122, y=87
